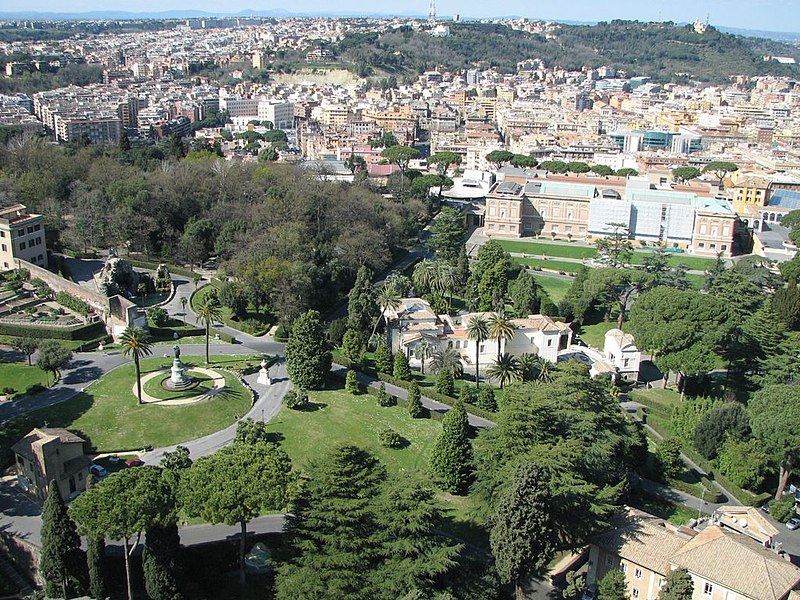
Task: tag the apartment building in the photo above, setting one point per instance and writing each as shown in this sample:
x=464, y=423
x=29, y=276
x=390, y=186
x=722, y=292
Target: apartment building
x=22, y=236
x=99, y=127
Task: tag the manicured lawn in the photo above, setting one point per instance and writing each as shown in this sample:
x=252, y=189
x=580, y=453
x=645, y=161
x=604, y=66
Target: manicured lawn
x=555, y=265
x=696, y=281
x=594, y=335
x=107, y=413
x=20, y=377
x=254, y=323
x=555, y=287
x=154, y=388
x=543, y=248
x=693, y=263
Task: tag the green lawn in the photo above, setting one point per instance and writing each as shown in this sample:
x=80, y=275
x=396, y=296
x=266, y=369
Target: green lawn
x=555, y=287
x=108, y=415
x=205, y=384
x=696, y=281
x=254, y=323
x=693, y=263
x=555, y=265
x=594, y=335
x=543, y=248
x=20, y=377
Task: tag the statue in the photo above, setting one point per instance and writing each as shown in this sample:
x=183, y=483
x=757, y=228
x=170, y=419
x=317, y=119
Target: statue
x=263, y=374
x=177, y=351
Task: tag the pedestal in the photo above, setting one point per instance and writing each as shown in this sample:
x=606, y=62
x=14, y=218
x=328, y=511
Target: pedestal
x=263, y=377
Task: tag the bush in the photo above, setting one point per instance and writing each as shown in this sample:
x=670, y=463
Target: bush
x=743, y=462
x=444, y=383
x=296, y=399
x=467, y=394
x=669, y=457
x=80, y=332
x=415, y=408
x=157, y=317
x=389, y=438
x=351, y=383
x=385, y=399
x=336, y=331
x=281, y=333
x=782, y=510
x=383, y=359
x=402, y=370
x=486, y=399
x=73, y=303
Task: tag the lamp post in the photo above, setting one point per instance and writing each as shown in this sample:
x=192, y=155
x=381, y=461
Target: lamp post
x=702, y=498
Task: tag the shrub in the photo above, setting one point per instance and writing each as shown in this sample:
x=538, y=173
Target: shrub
x=73, y=303
x=486, y=399
x=743, y=462
x=669, y=457
x=729, y=419
x=401, y=368
x=296, y=399
x=385, y=399
x=444, y=383
x=351, y=383
x=782, y=510
x=383, y=359
x=389, y=438
x=337, y=330
x=415, y=408
x=281, y=333
x=157, y=317
x=467, y=394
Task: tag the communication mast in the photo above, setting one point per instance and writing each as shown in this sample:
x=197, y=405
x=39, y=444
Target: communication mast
x=432, y=12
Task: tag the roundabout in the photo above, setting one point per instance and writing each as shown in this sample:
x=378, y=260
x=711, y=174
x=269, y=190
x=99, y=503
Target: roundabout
x=207, y=384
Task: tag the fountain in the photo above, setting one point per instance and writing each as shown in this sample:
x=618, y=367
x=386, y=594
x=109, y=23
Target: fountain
x=178, y=380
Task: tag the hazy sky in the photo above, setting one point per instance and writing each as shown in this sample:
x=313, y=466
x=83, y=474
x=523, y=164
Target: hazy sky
x=776, y=15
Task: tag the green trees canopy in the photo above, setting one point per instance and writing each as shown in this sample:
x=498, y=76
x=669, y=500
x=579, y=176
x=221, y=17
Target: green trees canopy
x=720, y=168
x=774, y=414
x=685, y=174
x=498, y=157
x=308, y=358
x=400, y=156
x=679, y=586
x=447, y=235
x=52, y=357
x=62, y=563
x=442, y=160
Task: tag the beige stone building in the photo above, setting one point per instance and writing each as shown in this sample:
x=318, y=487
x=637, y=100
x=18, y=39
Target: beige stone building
x=22, y=236
x=51, y=454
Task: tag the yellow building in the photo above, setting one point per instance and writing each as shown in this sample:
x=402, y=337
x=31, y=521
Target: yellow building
x=21, y=237
x=747, y=189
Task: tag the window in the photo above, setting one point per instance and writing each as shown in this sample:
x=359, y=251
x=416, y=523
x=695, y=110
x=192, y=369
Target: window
x=707, y=589
x=713, y=246
x=625, y=362
x=40, y=257
x=724, y=246
x=22, y=245
x=634, y=592
x=37, y=228
x=624, y=567
x=2, y=234
x=20, y=232
x=549, y=342
x=30, y=229
x=491, y=225
x=702, y=244
x=4, y=248
x=502, y=227
x=637, y=573
x=661, y=582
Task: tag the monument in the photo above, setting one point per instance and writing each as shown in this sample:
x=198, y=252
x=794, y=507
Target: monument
x=263, y=374
x=178, y=379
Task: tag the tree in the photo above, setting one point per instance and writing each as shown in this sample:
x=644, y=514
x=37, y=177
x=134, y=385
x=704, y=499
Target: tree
x=400, y=156
x=26, y=345
x=448, y=360
x=209, y=312
x=719, y=169
x=498, y=157
x=444, y=382
x=353, y=345
x=615, y=248
x=388, y=298
x=612, y=586
x=308, y=359
x=235, y=484
x=743, y=462
x=626, y=172
x=726, y=420
x=602, y=170
x=486, y=399
x=501, y=328
x=351, y=385
x=684, y=174
x=447, y=235
x=52, y=357
x=774, y=414
x=669, y=457
x=269, y=154
x=361, y=301
x=135, y=342
x=122, y=506
x=522, y=537
x=383, y=359
x=523, y=161
x=62, y=563
x=679, y=586
x=442, y=161
x=95, y=557
x=451, y=461
x=578, y=167
x=415, y=408
x=161, y=562
x=478, y=332
x=505, y=369
x=423, y=350
x=157, y=317
x=785, y=303
x=401, y=368
x=525, y=295
x=553, y=166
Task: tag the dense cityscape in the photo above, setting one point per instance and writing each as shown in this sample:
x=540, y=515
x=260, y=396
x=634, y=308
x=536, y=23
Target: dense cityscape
x=403, y=308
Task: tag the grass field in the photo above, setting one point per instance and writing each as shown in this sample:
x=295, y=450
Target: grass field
x=555, y=265
x=594, y=335
x=108, y=416
x=20, y=377
x=555, y=287
x=254, y=323
x=205, y=384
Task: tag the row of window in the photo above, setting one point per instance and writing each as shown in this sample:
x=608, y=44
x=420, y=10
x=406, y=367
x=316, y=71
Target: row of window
x=31, y=243
x=713, y=246
x=21, y=231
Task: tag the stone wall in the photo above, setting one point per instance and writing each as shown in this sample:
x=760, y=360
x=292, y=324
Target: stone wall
x=59, y=284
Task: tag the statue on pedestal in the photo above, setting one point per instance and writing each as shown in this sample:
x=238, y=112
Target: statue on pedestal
x=263, y=374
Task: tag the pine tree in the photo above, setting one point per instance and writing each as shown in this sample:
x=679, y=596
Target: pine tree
x=415, y=408
x=467, y=394
x=161, y=563
x=361, y=305
x=523, y=538
x=486, y=399
x=444, y=383
x=612, y=586
x=351, y=383
x=679, y=586
x=385, y=399
x=401, y=370
x=308, y=359
x=63, y=563
x=353, y=346
x=95, y=557
x=451, y=461
x=383, y=359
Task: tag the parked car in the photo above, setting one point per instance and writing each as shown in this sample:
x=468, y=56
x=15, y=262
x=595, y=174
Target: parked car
x=765, y=508
x=793, y=523
x=590, y=593
x=134, y=462
x=98, y=470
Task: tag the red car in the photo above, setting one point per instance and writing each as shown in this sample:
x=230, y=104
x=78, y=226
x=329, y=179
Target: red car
x=134, y=462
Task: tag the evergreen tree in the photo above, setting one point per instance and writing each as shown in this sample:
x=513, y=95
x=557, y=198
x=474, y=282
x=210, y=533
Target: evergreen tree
x=63, y=564
x=385, y=399
x=161, y=563
x=95, y=557
x=679, y=586
x=524, y=295
x=353, y=345
x=383, y=359
x=486, y=399
x=351, y=383
x=451, y=461
x=308, y=359
x=444, y=382
x=523, y=538
x=612, y=586
x=331, y=530
x=467, y=394
x=415, y=408
x=361, y=304
x=401, y=370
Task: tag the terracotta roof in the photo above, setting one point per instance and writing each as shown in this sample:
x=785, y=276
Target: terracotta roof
x=642, y=539
x=738, y=563
x=24, y=447
x=540, y=322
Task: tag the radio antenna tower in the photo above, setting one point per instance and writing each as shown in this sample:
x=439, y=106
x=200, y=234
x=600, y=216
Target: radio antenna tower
x=432, y=12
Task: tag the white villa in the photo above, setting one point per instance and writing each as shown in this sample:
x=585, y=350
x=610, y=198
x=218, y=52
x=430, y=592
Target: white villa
x=414, y=320
x=620, y=350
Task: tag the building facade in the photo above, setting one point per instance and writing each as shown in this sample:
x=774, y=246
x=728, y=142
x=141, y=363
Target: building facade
x=22, y=236
x=53, y=454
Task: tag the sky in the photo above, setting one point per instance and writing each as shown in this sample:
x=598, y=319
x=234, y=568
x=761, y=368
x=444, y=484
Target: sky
x=771, y=15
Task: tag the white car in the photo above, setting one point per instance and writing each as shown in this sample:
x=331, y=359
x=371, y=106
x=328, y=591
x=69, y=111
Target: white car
x=793, y=523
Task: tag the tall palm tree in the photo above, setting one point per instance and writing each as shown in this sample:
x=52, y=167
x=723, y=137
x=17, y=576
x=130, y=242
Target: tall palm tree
x=423, y=275
x=500, y=328
x=388, y=298
x=505, y=369
x=478, y=331
x=544, y=370
x=423, y=351
x=528, y=366
x=448, y=360
x=209, y=312
x=184, y=302
x=136, y=342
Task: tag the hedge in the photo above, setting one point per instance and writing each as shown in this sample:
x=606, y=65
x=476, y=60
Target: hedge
x=744, y=496
x=88, y=332
x=144, y=264
x=73, y=303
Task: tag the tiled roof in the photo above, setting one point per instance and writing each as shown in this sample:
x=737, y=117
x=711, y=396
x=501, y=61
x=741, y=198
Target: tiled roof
x=738, y=563
x=24, y=447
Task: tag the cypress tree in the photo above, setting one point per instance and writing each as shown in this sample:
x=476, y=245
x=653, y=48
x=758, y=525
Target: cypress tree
x=63, y=564
x=383, y=359
x=361, y=303
x=451, y=461
x=415, y=408
x=444, y=382
x=308, y=358
x=351, y=383
x=486, y=399
x=161, y=563
x=401, y=368
x=95, y=557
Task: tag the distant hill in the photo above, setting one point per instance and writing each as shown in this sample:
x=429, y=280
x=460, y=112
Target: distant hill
x=663, y=51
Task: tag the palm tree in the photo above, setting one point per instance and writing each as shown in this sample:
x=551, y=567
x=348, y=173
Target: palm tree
x=505, y=369
x=388, y=298
x=209, y=312
x=544, y=370
x=478, y=331
x=424, y=275
x=184, y=302
x=528, y=366
x=136, y=342
x=423, y=351
x=500, y=328
x=448, y=360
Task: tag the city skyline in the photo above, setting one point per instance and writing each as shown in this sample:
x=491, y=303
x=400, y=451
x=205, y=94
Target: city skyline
x=768, y=15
